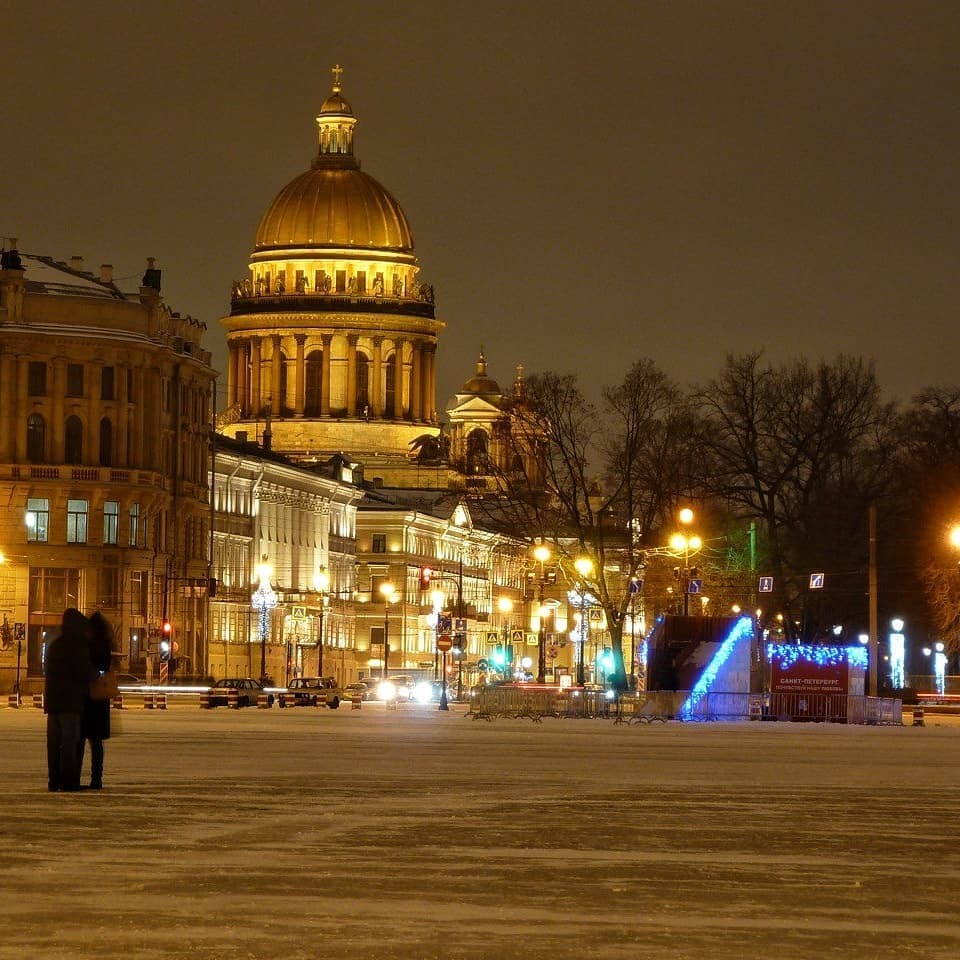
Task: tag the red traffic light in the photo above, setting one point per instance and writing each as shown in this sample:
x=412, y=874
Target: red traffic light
x=167, y=628
x=426, y=573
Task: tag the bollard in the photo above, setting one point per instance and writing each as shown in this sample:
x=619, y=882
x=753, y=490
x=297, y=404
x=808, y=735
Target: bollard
x=356, y=703
x=263, y=701
x=205, y=700
x=233, y=698
x=117, y=702
x=918, y=718
x=13, y=700
x=38, y=700
x=160, y=700
x=148, y=701
x=321, y=699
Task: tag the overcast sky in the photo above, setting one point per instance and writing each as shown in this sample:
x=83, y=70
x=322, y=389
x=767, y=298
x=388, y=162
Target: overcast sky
x=587, y=182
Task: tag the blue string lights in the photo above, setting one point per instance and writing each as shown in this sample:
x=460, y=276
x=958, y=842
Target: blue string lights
x=789, y=654
x=742, y=630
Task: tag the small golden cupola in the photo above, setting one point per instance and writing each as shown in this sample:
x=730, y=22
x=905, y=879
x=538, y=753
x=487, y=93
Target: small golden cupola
x=336, y=122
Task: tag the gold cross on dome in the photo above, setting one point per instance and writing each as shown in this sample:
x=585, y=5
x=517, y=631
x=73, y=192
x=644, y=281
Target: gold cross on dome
x=337, y=72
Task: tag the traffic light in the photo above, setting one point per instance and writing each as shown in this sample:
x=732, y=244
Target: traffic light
x=425, y=576
x=166, y=640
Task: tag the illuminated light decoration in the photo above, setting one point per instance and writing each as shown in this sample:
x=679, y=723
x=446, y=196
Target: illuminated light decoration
x=742, y=630
x=263, y=601
x=940, y=670
x=789, y=654
x=897, y=660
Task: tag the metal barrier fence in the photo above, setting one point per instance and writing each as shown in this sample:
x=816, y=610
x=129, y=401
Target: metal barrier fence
x=536, y=702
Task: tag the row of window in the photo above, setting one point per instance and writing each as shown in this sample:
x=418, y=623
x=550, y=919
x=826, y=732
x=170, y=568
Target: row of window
x=72, y=440
x=38, y=522
x=76, y=377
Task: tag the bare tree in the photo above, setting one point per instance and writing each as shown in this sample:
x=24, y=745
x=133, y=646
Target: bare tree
x=602, y=476
x=801, y=449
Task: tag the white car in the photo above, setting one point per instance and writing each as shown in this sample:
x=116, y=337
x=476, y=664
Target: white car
x=305, y=691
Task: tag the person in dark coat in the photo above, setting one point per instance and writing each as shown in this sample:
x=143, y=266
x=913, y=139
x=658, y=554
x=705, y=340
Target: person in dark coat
x=67, y=676
x=95, y=725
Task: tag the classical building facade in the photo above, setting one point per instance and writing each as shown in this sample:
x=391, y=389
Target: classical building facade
x=400, y=534
x=104, y=426
x=289, y=531
x=332, y=338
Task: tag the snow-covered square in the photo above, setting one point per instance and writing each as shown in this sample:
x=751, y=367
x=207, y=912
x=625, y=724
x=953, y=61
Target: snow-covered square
x=417, y=834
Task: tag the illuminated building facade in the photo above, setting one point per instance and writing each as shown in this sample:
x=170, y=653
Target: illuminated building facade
x=104, y=425
x=299, y=524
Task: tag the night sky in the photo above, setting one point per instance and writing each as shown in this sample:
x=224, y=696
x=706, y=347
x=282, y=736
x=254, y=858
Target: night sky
x=587, y=183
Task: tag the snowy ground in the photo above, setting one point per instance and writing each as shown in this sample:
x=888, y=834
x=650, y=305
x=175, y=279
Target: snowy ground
x=303, y=834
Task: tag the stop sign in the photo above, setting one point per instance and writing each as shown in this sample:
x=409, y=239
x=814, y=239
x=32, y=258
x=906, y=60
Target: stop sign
x=444, y=643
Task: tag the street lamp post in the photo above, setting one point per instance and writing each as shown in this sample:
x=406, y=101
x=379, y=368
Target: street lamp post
x=321, y=583
x=541, y=554
x=686, y=544
x=388, y=591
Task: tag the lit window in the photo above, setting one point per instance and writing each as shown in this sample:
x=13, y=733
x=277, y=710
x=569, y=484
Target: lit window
x=76, y=521
x=111, y=521
x=38, y=519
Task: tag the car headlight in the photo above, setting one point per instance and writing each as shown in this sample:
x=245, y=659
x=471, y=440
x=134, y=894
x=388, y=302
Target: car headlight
x=423, y=692
x=387, y=690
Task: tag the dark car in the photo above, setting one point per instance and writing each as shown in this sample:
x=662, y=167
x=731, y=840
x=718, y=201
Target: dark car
x=129, y=680
x=247, y=689
x=306, y=691
x=361, y=689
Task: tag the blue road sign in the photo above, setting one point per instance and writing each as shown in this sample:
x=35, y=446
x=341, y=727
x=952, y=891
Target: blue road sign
x=766, y=585
x=636, y=586
x=695, y=586
x=816, y=581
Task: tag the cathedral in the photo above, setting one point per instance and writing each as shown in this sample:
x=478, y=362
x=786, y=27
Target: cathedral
x=332, y=337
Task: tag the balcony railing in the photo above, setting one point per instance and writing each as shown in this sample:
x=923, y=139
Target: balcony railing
x=325, y=302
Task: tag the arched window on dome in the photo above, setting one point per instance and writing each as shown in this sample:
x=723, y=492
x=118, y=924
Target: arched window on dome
x=390, y=393
x=36, y=438
x=313, y=386
x=363, y=382
x=106, y=443
x=73, y=440
x=477, y=452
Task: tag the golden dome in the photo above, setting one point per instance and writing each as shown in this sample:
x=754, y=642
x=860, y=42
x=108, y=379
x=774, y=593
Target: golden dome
x=334, y=206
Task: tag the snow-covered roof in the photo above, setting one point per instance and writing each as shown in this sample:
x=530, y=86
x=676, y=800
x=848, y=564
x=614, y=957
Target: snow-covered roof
x=54, y=278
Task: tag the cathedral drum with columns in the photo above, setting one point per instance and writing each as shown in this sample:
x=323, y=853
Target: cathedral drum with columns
x=332, y=339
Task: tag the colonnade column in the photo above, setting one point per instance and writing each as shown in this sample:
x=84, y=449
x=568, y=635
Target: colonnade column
x=120, y=458
x=325, y=376
x=255, y=403
x=377, y=386
x=276, y=360
x=352, y=375
x=300, y=388
x=429, y=382
x=233, y=373
x=398, y=380
x=416, y=382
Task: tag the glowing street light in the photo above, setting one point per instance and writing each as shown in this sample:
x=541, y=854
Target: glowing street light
x=584, y=568
x=542, y=553
x=264, y=600
x=686, y=544
x=321, y=583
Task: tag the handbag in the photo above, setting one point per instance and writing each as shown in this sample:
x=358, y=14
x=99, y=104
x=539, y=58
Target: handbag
x=105, y=686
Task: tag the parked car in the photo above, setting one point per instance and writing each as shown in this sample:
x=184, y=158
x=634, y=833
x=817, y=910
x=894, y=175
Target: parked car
x=306, y=691
x=247, y=689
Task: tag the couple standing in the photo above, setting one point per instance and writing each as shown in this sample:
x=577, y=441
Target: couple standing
x=75, y=658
